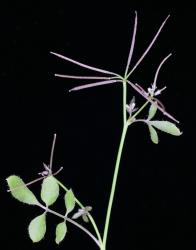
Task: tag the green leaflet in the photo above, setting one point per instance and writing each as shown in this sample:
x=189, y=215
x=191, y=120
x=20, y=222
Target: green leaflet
x=61, y=231
x=165, y=126
x=153, y=135
x=152, y=111
x=69, y=200
x=37, y=228
x=20, y=191
x=50, y=190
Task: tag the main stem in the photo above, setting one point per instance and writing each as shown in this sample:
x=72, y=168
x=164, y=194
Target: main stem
x=117, y=165
x=124, y=102
x=126, y=124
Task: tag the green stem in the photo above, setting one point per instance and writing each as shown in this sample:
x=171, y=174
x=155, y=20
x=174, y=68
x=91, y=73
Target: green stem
x=131, y=119
x=116, y=170
x=114, y=181
x=117, y=165
x=124, y=102
x=72, y=222
x=126, y=123
x=89, y=216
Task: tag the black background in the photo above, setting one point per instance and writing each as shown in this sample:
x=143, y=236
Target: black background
x=155, y=201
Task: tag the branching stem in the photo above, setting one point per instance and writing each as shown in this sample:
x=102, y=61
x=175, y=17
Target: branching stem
x=72, y=222
x=89, y=215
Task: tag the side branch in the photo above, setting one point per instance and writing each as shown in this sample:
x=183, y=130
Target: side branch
x=151, y=101
x=72, y=222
